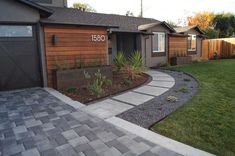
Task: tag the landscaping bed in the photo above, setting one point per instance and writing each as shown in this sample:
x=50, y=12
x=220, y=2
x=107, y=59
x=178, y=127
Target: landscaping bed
x=87, y=84
x=118, y=85
x=160, y=107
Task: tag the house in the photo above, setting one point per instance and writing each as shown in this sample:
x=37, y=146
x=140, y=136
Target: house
x=194, y=40
x=33, y=42
x=39, y=36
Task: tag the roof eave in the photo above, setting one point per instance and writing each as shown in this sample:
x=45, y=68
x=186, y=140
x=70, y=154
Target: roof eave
x=44, y=11
x=77, y=24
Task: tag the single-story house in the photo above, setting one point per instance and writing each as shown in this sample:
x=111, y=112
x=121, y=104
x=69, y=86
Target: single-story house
x=194, y=39
x=38, y=36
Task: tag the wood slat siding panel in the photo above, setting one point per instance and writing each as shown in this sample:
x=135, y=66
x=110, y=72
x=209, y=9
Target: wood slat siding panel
x=224, y=47
x=177, y=45
x=73, y=43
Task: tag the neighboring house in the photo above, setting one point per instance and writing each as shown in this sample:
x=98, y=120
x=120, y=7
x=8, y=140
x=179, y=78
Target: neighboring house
x=38, y=36
x=195, y=37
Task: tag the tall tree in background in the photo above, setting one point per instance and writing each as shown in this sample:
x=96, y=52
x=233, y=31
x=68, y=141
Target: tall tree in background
x=84, y=7
x=202, y=19
x=225, y=24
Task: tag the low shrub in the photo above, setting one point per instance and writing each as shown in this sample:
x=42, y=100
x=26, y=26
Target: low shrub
x=172, y=99
x=72, y=90
x=184, y=89
x=127, y=82
x=96, y=87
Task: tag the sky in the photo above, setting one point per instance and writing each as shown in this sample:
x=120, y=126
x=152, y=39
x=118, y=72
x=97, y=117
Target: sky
x=164, y=10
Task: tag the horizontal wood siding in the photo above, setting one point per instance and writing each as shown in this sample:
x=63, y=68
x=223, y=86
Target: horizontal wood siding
x=177, y=46
x=224, y=47
x=74, y=47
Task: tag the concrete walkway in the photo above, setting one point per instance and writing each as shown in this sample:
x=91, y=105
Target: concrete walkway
x=113, y=106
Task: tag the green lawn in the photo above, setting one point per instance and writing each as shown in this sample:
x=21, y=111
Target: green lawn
x=207, y=121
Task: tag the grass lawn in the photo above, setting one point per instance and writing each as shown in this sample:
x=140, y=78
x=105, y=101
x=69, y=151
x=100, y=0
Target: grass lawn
x=207, y=121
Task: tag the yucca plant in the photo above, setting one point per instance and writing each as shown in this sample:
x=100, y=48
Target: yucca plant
x=120, y=60
x=136, y=59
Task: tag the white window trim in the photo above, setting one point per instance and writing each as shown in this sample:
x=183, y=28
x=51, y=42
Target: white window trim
x=160, y=51
x=195, y=43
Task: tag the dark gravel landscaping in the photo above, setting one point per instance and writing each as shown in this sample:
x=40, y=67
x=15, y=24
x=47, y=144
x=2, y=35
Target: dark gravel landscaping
x=159, y=108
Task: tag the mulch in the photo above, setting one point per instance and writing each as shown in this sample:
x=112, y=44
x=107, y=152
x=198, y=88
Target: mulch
x=83, y=95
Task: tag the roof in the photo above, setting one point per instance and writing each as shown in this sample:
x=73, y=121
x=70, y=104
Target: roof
x=44, y=11
x=151, y=25
x=77, y=17
x=187, y=28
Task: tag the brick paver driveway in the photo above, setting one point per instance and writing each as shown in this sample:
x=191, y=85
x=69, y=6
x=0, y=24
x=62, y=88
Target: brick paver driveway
x=33, y=123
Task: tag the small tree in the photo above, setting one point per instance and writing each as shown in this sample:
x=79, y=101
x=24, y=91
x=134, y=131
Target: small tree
x=84, y=7
x=202, y=19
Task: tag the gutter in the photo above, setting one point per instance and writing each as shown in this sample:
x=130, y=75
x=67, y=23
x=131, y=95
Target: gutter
x=77, y=24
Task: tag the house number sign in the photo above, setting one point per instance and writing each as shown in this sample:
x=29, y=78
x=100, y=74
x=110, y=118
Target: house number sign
x=98, y=38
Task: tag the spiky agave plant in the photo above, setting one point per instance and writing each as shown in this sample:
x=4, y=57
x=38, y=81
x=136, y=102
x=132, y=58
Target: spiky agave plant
x=120, y=60
x=136, y=59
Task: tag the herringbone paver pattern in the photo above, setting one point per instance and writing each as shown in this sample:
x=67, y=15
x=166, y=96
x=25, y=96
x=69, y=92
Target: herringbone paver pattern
x=34, y=123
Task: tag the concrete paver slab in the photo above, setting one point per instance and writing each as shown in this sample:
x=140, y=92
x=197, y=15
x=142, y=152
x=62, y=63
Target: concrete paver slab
x=133, y=98
x=107, y=108
x=162, y=84
x=150, y=90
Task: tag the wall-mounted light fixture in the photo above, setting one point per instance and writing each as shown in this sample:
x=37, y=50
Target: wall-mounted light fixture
x=53, y=39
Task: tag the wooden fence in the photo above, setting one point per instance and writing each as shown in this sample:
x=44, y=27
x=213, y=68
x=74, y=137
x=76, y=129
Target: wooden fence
x=224, y=47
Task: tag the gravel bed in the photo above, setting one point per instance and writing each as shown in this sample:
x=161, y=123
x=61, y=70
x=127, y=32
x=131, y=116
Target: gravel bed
x=159, y=108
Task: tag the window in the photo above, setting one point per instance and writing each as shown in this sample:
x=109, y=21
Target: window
x=159, y=42
x=15, y=31
x=192, y=42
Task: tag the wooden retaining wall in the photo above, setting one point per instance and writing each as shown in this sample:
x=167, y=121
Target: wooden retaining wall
x=74, y=47
x=224, y=47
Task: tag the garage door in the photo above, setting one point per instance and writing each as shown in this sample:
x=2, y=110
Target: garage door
x=19, y=58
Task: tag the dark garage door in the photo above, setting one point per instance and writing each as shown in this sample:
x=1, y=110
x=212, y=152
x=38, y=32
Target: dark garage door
x=19, y=59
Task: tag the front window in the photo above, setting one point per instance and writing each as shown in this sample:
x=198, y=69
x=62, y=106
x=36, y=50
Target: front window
x=15, y=31
x=159, y=42
x=192, y=42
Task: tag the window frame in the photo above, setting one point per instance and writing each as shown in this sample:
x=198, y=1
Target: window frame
x=158, y=51
x=19, y=36
x=192, y=50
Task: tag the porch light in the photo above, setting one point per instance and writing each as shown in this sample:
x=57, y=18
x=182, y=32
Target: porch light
x=54, y=39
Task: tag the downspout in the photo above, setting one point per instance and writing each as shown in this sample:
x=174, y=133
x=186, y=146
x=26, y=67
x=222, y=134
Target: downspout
x=145, y=50
x=41, y=48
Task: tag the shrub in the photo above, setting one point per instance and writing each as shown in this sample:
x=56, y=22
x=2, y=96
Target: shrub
x=172, y=99
x=72, y=90
x=216, y=56
x=135, y=68
x=120, y=60
x=127, y=82
x=96, y=87
x=136, y=60
x=184, y=89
